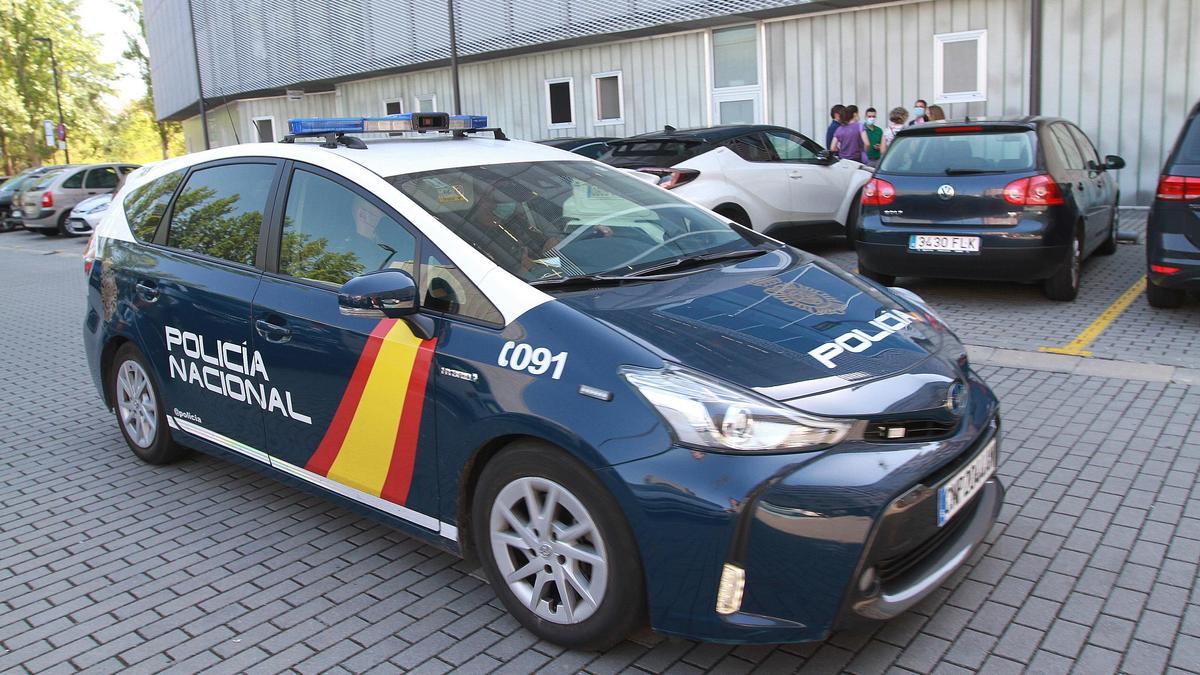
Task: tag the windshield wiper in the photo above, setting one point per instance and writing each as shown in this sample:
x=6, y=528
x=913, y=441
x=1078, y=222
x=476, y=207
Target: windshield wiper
x=582, y=280
x=970, y=172
x=696, y=260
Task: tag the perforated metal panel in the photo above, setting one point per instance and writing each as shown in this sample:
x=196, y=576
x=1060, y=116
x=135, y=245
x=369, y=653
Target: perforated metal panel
x=252, y=45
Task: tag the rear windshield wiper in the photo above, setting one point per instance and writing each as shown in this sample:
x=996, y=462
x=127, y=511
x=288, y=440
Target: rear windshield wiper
x=697, y=260
x=970, y=172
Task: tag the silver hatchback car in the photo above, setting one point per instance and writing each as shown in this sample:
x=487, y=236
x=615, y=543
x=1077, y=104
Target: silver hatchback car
x=46, y=205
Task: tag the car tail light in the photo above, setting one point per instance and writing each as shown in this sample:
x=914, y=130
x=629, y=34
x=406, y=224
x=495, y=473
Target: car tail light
x=672, y=178
x=878, y=192
x=1178, y=188
x=1039, y=190
x=1164, y=269
x=89, y=255
x=47, y=200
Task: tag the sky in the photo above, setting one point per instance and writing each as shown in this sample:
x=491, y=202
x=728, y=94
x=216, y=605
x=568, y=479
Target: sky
x=105, y=20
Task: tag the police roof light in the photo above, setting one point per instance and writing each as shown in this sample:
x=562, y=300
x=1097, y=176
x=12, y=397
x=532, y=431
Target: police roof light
x=420, y=122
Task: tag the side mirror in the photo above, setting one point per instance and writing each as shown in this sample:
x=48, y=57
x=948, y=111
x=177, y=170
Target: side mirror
x=826, y=157
x=1113, y=162
x=387, y=293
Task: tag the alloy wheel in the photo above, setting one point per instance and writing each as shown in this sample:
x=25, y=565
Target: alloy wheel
x=135, y=401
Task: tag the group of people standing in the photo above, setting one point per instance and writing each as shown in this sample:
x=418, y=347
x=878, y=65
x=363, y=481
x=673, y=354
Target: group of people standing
x=866, y=140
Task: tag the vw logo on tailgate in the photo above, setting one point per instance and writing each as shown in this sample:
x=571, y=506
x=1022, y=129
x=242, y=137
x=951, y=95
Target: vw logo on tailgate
x=946, y=191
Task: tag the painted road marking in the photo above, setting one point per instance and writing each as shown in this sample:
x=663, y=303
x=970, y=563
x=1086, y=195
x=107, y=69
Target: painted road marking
x=1077, y=346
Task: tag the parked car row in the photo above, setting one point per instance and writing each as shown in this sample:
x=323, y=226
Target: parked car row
x=62, y=199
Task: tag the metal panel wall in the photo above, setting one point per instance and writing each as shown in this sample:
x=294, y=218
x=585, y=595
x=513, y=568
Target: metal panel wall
x=172, y=66
x=882, y=57
x=1127, y=71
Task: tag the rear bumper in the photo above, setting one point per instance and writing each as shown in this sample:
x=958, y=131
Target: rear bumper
x=43, y=218
x=1175, y=250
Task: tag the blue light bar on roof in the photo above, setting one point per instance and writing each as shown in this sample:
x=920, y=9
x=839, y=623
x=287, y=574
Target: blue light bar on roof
x=386, y=124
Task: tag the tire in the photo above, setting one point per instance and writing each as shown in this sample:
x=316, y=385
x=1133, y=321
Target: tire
x=1109, y=246
x=619, y=608
x=1163, y=298
x=1064, y=284
x=139, y=407
x=62, y=226
x=877, y=277
x=45, y=231
x=853, y=220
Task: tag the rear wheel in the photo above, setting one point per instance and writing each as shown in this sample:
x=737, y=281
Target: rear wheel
x=140, y=411
x=556, y=548
x=1165, y=298
x=46, y=231
x=1064, y=285
x=735, y=213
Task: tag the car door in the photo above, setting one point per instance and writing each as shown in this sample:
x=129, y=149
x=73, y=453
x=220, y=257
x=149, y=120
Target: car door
x=1103, y=184
x=817, y=187
x=193, y=291
x=759, y=177
x=354, y=419
x=69, y=191
x=1077, y=183
x=100, y=180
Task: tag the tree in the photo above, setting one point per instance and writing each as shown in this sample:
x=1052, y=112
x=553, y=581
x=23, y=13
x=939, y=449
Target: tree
x=170, y=133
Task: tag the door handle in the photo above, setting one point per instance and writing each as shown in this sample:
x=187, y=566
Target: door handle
x=1079, y=185
x=272, y=332
x=147, y=290
x=796, y=174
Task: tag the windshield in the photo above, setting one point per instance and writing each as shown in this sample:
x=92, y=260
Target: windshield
x=939, y=154
x=634, y=154
x=12, y=183
x=554, y=220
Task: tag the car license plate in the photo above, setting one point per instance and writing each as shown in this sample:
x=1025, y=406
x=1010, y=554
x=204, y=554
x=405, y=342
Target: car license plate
x=943, y=243
x=16, y=213
x=966, y=483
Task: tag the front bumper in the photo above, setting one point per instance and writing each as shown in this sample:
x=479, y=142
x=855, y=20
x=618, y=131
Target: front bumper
x=1030, y=250
x=804, y=528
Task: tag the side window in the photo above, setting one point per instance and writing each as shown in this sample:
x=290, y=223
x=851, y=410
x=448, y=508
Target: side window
x=75, y=181
x=753, y=148
x=144, y=207
x=331, y=233
x=101, y=178
x=792, y=147
x=220, y=210
x=1066, y=144
x=446, y=289
x=1086, y=149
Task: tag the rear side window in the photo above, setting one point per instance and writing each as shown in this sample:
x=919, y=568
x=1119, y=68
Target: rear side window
x=43, y=181
x=1189, y=147
x=1067, y=147
x=331, y=233
x=102, y=178
x=219, y=211
x=75, y=181
x=948, y=154
x=145, y=206
x=752, y=148
x=651, y=153
x=1086, y=149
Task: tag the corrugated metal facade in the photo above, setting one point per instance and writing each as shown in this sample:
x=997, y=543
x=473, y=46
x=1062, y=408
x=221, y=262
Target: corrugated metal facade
x=1147, y=50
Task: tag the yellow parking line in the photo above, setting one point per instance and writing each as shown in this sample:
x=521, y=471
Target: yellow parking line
x=1088, y=335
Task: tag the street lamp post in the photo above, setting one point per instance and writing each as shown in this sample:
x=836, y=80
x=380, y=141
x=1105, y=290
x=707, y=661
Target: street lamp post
x=58, y=96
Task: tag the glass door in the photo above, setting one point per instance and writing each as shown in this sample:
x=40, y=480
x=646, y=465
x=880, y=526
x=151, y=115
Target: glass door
x=737, y=91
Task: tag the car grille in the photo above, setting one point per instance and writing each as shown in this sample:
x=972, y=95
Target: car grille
x=890, y=569
x=913, y=430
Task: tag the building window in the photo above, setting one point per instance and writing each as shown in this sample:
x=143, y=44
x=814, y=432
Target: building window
x=960, y=67
x=393, y=106
x=264, y=129
x=736, y=93
x=426, y=103
x=610, y=97
x=560, y=103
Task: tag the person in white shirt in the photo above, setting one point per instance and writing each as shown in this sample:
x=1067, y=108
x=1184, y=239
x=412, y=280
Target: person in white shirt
x=896, y=119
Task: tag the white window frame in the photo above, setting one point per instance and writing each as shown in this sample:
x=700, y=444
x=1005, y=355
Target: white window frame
x=417, y=102
x=399, y=100
x=571, y=92
x=939, y=42
x=749, y=92
x=596, y=119
x=254, y=128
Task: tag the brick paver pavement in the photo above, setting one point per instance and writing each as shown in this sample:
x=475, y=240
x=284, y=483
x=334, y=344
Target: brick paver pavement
x=107, y=564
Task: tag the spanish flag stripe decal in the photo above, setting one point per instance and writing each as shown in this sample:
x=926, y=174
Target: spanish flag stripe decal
x=327, y=451
x=404, y=454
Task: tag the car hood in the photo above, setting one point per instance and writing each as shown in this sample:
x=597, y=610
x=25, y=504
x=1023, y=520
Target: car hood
x=775, y=323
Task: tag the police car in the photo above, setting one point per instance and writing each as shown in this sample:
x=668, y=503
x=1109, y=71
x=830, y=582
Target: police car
x=628, y=409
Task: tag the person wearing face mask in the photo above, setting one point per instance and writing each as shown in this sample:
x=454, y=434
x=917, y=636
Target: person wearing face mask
x=896, y=119
x=918, y=112
x=874, y=134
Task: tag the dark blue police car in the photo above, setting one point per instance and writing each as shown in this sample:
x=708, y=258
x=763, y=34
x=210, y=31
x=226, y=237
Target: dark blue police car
x=625, y=407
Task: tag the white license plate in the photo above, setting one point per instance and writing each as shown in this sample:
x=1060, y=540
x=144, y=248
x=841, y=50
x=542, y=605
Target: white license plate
x=943, y=243
x=966, y=483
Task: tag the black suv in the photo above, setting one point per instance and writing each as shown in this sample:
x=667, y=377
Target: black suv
x=1013, y=199
x=1173, y=229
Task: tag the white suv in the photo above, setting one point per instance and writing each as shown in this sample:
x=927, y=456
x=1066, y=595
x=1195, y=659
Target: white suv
x=772, y=179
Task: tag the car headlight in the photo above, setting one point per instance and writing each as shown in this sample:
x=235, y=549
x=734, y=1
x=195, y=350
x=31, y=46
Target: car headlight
x=95, y=209
x=706, y=413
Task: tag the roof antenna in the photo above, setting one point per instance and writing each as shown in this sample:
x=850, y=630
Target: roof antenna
x=669, y=129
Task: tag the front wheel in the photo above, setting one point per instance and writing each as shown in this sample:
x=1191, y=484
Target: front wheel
x=1109, y=246
x=140, y=411
x=1064, y=285
x=556, y=549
